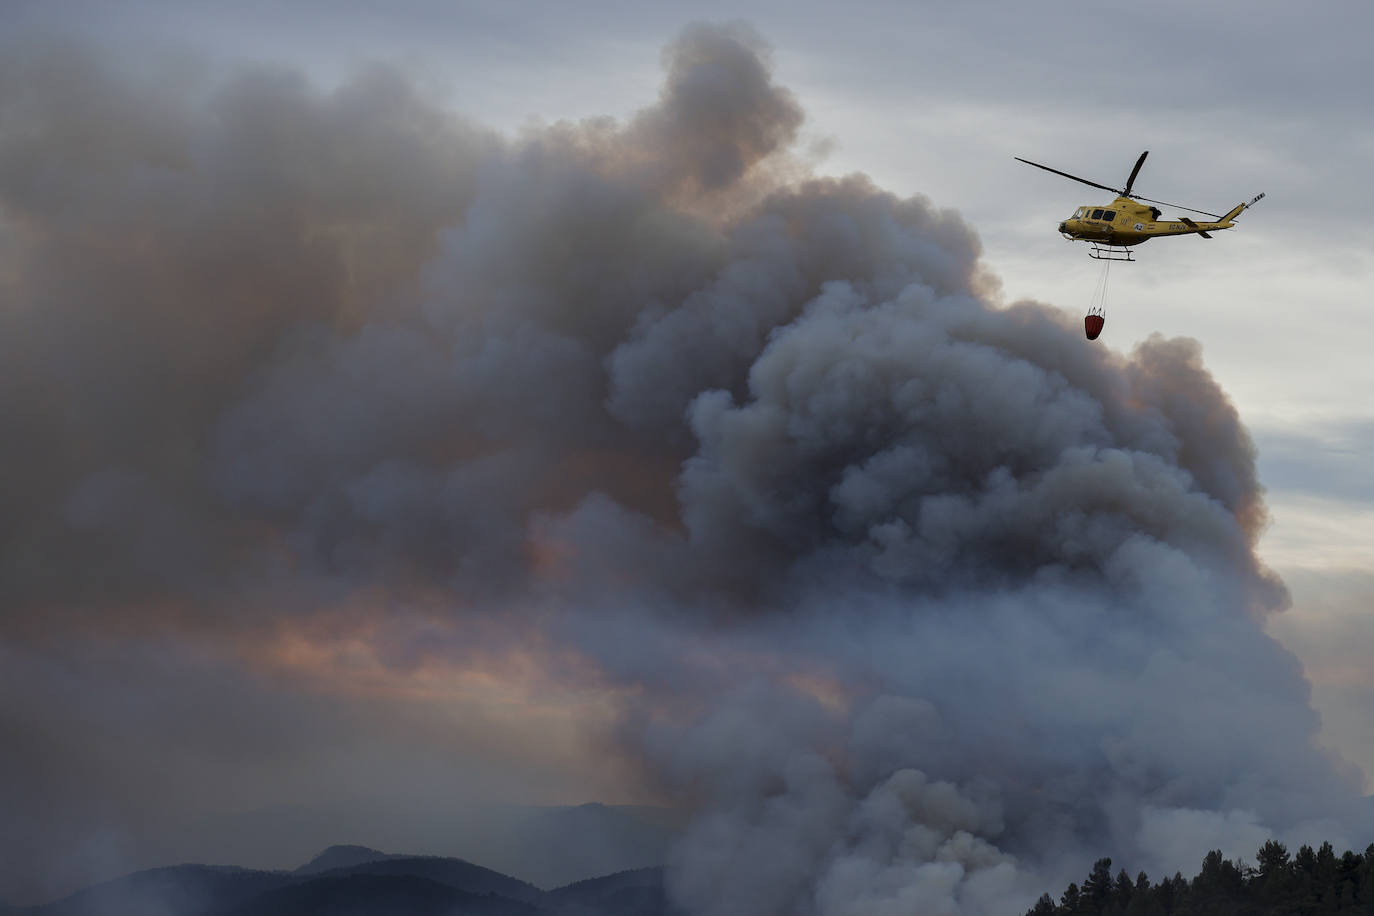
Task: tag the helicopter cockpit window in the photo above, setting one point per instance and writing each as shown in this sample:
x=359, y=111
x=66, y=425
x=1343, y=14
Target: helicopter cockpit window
x=1097, y=214
x=1109, y=215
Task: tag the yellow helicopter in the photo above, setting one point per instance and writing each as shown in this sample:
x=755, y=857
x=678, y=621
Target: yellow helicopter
x=1113, y=228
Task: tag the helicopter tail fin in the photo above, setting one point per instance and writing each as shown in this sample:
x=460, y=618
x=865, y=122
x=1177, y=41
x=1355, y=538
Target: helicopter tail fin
x=1239, y=207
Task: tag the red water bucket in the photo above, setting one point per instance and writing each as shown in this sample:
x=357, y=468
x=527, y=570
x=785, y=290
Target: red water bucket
x=1092, y=325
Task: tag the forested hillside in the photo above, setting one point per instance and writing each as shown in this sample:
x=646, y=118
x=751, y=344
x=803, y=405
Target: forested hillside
x=1310, y=882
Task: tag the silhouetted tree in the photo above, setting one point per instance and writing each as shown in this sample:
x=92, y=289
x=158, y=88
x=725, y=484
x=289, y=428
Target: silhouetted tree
x=1273, y=884
x=1327, y=879
x=1272, y=859
x=1071, y=903
x=1364, y=879
x=1143, y=901
x=1172, y=892
x=1312, y=883
x=1216, y=885
x=1122, y=892
x=1097, y=887
x=1303, y=898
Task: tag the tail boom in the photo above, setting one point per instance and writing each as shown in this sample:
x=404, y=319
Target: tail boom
x=1236, y=211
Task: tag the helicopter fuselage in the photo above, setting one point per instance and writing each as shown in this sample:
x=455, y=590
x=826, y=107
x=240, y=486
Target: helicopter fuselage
x=1125, y=222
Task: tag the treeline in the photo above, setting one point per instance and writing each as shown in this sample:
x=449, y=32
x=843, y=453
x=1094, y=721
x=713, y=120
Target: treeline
x=1310, y=882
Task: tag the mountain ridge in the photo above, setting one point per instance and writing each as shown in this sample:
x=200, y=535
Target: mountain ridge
x=367, y=882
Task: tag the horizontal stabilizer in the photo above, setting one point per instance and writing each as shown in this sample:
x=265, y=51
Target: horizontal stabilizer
x=1192, y=225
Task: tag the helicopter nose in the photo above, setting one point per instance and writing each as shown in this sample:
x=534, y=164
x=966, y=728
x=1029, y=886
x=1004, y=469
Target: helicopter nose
x=1062, y=227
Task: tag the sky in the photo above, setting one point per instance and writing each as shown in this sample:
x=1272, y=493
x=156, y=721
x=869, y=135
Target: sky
x=489, y=402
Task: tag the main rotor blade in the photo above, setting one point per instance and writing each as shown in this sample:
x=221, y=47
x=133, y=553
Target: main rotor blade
x=1066, y=174
x=1134, y=172
x=1180, y=207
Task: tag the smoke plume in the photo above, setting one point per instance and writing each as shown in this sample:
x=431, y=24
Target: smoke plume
x=916, y=601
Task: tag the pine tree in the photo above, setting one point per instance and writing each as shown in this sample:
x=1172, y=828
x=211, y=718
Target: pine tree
x=1097, y=888
x=1274, y=883
x=1143, y=902
x=1122, y=892
x=1071, y=903
x=1364, y=879
x=1304, y=895
x=1312, y=883
x=1172, y=893
x=1273, y=860
x=1327, y=879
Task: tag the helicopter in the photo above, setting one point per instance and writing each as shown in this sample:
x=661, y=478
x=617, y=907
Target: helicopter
x=1114, y=228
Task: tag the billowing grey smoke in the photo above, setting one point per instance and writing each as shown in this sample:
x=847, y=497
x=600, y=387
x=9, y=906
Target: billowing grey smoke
x=924, y=603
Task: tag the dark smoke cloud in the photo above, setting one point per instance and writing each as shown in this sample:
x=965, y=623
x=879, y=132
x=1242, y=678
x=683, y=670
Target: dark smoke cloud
x=165, y=245
x=919, y=602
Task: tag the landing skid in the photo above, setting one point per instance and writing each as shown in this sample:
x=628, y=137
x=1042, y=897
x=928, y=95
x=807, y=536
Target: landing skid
x=1101, y=252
